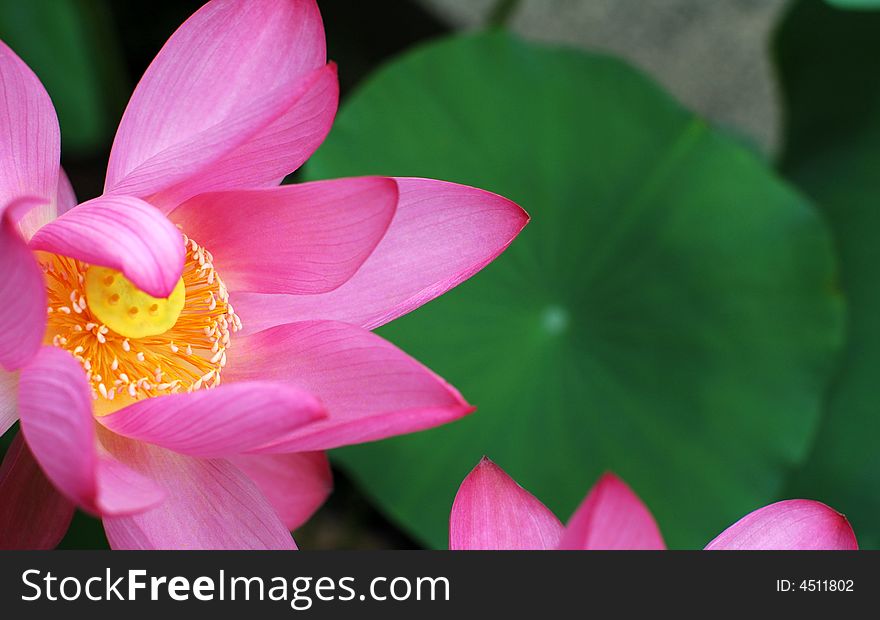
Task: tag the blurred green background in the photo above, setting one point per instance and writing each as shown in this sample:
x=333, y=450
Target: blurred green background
x=694, y=302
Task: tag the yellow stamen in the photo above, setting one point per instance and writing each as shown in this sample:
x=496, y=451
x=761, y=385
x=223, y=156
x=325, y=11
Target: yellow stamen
x=133, y=346
x=127, y=310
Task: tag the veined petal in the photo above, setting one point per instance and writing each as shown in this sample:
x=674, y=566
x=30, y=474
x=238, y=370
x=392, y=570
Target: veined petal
x=55, y=406
x=230, y=419
x=23, y=312
x=371, y=389
x=122, y=233
x=492, y=512
x=33, y=515
x=306, y=239
x=612, y=517
x=292, y=124
x=210, y=504
x=296, y=484
x=30, y=141
x=441, y=235
x=8, y=400
x=795, y=524
x=66, y=197
x=236, y=72
x=42, y=214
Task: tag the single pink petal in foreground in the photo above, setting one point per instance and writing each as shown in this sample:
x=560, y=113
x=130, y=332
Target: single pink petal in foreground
x=492, y=512
x=230, y=419
x=795, y=524
x=8, y=400
x=237, y=72
x=306, y=238
x=612, y=517
x=55, y=406
x=22, y=289
x=33, y=515
x=30, y=141
x=370, y=388
x=122, y=233
x=296, y=484
x=210, y=504
x=441, y=235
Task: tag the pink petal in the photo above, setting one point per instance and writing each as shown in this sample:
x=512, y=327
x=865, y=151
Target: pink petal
x=304, y=117
x=241, y=92
x=295, y=484
x=66, y=198
x=55, y=406
x=441, y=235
x=230, y=419
x=304, y=239
x=22, y=289
x=492, y=512
x=8, y=400
x=210, y=504
x=123, y=233
x=371, y=389
x=30, y=141
x=33, y=515
x=612, y=517
x=795, y=524
x=45, y=212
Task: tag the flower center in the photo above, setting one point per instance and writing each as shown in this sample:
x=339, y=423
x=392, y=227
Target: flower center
x=127, y=310
x=132, y=345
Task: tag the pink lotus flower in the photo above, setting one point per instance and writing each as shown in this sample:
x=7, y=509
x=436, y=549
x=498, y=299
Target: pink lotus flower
x=118, y=387
x=491, y=511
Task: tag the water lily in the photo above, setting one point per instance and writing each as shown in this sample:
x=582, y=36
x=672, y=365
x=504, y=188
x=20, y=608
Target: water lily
x=491, y=511
x=181, y=349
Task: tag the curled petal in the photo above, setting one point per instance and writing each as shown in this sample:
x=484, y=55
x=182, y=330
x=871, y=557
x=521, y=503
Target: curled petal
x=22, y=288
x=55, y=406
x=795, y=524
x=296, y=484
x=210, y=504
x=371, y=389
x=240, y=92
x=230, y=419
x=33, y=515
x=306, y=239
x=122, y=233
x=492, y=512
x=441, y=235
x=612, y=517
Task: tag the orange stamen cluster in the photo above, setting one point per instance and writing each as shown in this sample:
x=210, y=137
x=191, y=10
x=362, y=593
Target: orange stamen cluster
x=189, y=356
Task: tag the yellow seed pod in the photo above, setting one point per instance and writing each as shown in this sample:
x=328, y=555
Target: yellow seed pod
x=126, y=309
